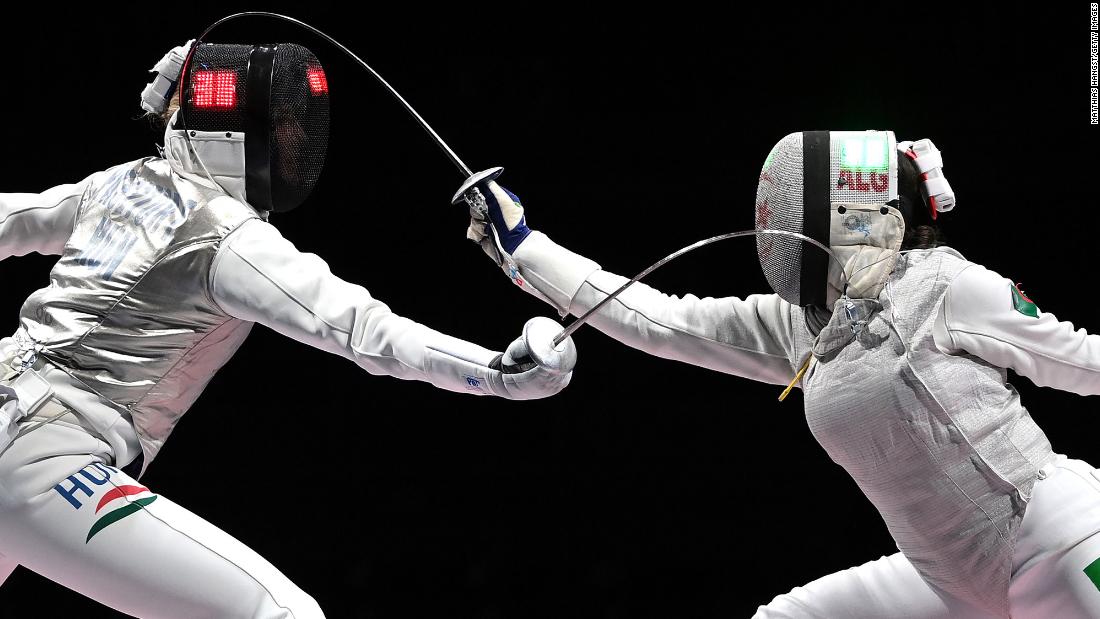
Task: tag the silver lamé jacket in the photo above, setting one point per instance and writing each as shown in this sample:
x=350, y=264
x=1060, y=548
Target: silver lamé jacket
x=163, y=270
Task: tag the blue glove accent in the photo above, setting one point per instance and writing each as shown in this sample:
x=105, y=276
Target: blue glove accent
x=509, y=239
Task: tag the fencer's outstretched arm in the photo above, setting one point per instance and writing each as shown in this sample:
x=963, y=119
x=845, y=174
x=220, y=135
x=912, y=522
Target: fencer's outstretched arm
x=259, y=276
x=983, y=314
x=40, y=222
x=747, y=337
x=750, y=337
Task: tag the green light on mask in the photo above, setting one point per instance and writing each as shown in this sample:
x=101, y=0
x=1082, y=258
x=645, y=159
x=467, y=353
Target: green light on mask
x=864, y=153
x=771, y=155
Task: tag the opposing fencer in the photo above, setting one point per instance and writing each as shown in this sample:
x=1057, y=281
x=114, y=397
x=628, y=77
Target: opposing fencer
x=901, y=347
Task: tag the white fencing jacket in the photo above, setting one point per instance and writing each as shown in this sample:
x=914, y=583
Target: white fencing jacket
x=914, y=403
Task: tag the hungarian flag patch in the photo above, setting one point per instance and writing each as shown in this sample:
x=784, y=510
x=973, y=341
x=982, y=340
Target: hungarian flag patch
x=1023, y=304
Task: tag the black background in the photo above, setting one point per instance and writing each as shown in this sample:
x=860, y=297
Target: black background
x=647, y=488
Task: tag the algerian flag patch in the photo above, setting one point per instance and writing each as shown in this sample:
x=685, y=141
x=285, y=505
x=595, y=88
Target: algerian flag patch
x=1022, y=304
x=1093, y=572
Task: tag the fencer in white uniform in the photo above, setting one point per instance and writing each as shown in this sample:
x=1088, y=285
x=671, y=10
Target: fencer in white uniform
x=165, y=264
x=901, y=355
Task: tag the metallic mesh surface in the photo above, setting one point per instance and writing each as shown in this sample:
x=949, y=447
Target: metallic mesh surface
x=217, y=58
x=216, y=98
x=299, y=124
x=862, y=170
x=779, y=207
x=863, y=167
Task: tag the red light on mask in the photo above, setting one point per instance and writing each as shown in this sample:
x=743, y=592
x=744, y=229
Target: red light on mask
x=214, y=89
x=318, y=83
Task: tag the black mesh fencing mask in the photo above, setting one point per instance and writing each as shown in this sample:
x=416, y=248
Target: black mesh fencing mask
x=277, y=95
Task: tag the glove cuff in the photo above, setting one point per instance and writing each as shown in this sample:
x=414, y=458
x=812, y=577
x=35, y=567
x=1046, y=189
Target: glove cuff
x=552, y=269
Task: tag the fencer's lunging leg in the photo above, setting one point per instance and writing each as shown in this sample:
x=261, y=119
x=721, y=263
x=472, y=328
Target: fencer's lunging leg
x=1055, y=572
x=67, y=515
x=1057, y=566
x=888, y=587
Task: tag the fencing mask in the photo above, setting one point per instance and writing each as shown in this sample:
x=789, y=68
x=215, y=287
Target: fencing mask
x=839, y=188
x=277, y=97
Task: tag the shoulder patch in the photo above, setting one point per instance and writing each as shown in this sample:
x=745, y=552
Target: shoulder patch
x=1022, y=304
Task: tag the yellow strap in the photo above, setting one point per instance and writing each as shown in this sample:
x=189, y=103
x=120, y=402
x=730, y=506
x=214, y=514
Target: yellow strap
x=797, y=377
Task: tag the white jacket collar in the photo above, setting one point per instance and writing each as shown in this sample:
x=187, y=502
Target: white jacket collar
x=207, y=156
x=865, y=239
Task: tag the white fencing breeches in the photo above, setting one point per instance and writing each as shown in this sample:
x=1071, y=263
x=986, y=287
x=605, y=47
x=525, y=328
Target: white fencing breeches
x=1056, y=570
x=68, y=515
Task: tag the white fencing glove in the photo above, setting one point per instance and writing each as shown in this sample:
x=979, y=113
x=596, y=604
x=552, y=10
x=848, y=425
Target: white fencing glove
x=532, y=367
